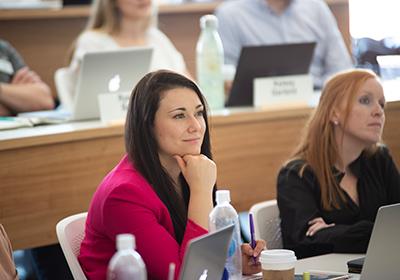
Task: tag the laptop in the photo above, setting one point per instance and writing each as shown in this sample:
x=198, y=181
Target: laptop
x=383, y=253
x=267, y=61
x=205, y=256
x=100, y=72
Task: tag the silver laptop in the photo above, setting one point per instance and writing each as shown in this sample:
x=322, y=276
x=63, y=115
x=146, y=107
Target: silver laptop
x=205, y=256
x=383, y=255
x=101, y=72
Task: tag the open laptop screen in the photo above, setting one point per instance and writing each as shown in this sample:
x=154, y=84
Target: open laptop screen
x=267, y=61
x=205, y=256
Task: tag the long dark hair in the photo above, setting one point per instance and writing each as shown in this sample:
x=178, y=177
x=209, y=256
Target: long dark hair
x=142, y=147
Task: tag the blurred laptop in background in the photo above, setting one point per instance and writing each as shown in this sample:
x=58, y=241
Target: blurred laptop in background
x=267, y=61
x=100, y=72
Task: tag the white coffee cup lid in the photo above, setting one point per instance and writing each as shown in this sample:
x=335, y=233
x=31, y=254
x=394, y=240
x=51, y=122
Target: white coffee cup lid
x=279, y=258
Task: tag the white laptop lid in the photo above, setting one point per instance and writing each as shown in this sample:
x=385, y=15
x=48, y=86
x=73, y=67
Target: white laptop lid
x=382, y=260
x=110, y=71
x=205, y=256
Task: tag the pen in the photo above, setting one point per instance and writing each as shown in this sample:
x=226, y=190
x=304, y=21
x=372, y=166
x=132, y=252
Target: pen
x=252, y=238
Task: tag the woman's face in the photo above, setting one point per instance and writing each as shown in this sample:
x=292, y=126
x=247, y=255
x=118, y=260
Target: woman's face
x=367, y=117
x=179, y=123
x=135, y=9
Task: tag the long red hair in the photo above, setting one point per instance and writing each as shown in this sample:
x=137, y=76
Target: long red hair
x=318, y=147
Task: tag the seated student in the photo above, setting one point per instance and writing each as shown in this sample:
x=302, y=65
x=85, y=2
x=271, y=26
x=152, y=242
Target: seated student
x=7, y=266
x=21, y=89
x=340, y=174
x=116, y=24
x=269, y=22
x=162, y=190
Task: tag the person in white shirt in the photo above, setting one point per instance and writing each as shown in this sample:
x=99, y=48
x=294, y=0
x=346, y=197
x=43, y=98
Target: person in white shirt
x=269, y=22
x=117, y=24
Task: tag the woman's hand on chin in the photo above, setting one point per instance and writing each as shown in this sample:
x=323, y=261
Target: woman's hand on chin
x=199, y=171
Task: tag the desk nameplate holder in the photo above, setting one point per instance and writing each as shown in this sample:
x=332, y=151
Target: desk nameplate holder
x=283, y=91
x=113, y=106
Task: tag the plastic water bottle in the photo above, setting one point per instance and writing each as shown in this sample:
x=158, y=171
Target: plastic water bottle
x=126, y=262
x=221, y=216
x=209, y=62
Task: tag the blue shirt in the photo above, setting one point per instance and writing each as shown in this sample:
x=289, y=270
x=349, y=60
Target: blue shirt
x=253, y=22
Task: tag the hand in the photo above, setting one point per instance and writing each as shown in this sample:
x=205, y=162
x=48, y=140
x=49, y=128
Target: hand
x=199, y=171
x=25, y=76
x=4, y=111
x=248, y=264
x=316, y=225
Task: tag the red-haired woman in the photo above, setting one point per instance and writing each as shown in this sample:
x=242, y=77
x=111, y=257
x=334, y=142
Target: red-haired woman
x=340, y=174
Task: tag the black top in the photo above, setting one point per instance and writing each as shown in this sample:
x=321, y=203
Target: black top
x=299, y=201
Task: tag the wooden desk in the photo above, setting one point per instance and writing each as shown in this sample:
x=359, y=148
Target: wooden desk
x=49, y=172
x=43, y=37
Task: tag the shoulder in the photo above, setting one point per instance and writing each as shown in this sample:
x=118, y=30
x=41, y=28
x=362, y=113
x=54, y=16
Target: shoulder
x=379, y=158
x=92, y=37
x=124, y=183
x=294, y=166
x=228, y=10
x=315, y=10
x=233, y=6
x=313, y=4
x=4, y=45
x=156, y=35
x=296, y=172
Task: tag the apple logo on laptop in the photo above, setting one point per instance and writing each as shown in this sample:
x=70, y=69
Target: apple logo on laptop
x=203, y=276
x=114, y=83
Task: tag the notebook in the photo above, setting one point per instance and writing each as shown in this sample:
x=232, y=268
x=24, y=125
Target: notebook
x=383, y=253
x=205, y=256
x=267, y=61
x=101, y=72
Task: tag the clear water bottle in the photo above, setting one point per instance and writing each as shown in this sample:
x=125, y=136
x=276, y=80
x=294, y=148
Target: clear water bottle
x=126, y=264
x=221, y=216
x=209, y=62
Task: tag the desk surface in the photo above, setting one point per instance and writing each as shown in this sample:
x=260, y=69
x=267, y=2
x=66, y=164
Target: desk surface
x=46, y=134
x=329, y=262
x=50, y=172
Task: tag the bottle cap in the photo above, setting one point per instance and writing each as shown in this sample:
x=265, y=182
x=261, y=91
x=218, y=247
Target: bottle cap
x=209, y=21
x=126, y=241
x=223, y=196
x=306, y=275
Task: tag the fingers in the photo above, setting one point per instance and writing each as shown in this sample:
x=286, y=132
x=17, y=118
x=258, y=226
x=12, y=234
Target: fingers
x=250, y=252
x=316, y=220
x=246, y=249
x=260, y=246
x=19, y=75
x=249, y=265
x=25, y=76
x=316, y=225
x=181, y=162
x=200, y=172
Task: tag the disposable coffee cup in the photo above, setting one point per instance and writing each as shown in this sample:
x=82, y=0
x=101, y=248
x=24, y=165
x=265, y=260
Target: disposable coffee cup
x=278, y=264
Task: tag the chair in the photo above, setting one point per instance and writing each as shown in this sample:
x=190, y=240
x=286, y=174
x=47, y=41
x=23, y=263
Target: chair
x=267, y=223
x=70, y=232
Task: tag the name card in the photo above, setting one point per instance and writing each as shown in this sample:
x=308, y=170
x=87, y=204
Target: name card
x=113, y=106
x=283, y=91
